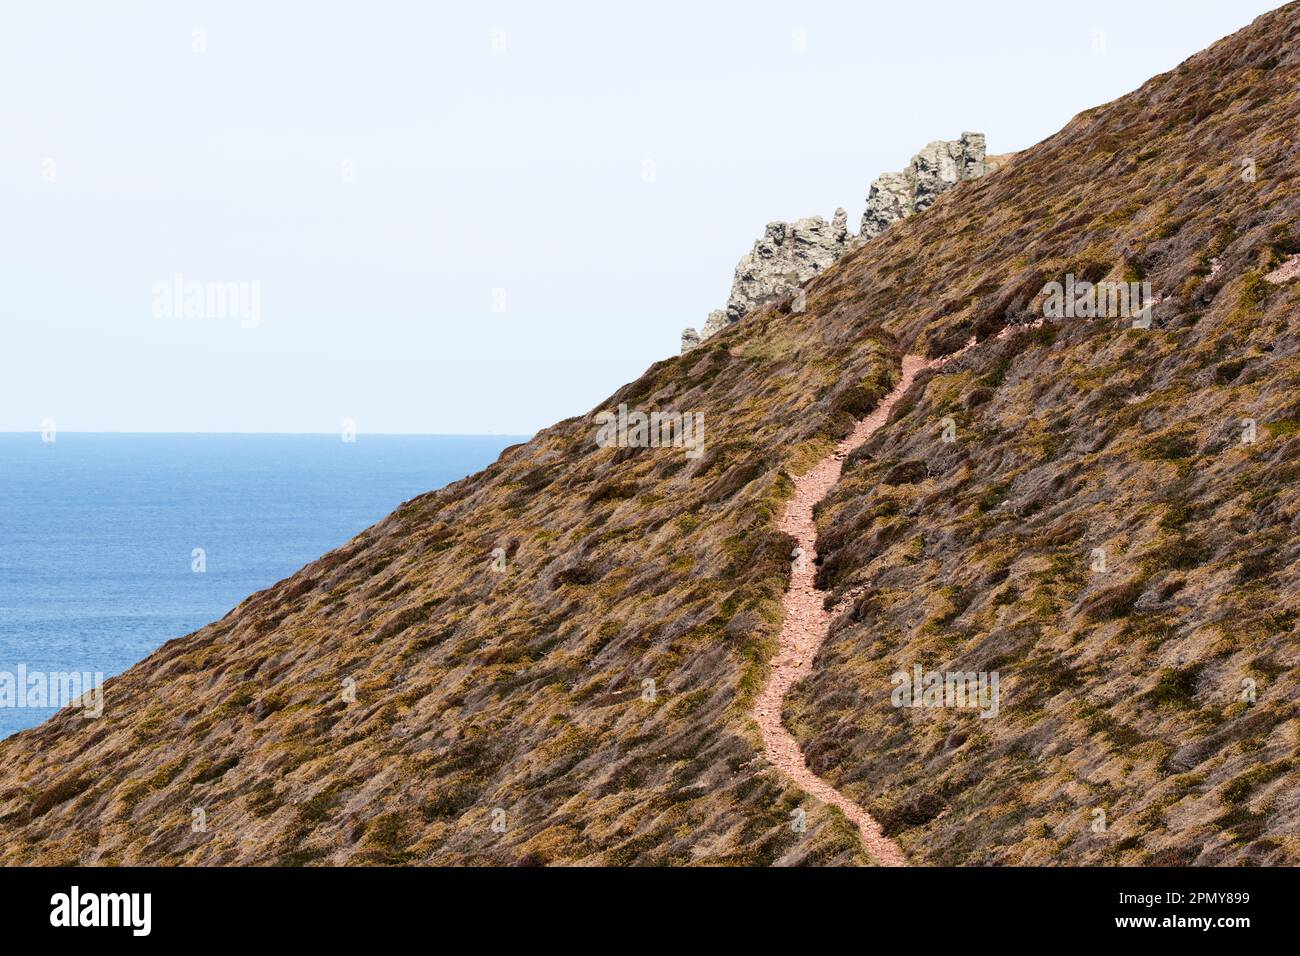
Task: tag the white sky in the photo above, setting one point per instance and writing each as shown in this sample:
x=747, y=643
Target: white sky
x=474, y=170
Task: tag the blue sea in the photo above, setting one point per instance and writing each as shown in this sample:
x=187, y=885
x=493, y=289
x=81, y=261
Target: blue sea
x=98, y=533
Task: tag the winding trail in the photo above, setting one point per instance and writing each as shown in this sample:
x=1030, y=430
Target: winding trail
x=807, y=623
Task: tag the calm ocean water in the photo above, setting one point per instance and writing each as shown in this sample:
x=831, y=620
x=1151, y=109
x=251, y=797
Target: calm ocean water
x=97, y=532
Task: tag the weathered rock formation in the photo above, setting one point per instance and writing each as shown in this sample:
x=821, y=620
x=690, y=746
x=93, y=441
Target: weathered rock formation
x=789, y=254
x=930, y=174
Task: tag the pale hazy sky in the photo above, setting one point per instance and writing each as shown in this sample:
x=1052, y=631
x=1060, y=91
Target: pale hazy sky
x=126, y=157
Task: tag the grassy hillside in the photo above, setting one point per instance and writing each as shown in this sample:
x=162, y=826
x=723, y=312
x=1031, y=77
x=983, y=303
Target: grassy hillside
x=1125, y=691
x=513, y=682
x=401, y=700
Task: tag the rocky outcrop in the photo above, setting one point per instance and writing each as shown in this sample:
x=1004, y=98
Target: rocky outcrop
x=892, y=197
x=931, y=173
x=789, y=254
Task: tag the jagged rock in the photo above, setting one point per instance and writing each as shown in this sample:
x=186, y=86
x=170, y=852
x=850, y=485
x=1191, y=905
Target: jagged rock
x=891, y=198
x=789, y=254
x=716, y=321
x=931, y=173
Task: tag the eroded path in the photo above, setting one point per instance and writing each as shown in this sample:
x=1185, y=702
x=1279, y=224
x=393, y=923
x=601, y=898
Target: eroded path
x=807, y=622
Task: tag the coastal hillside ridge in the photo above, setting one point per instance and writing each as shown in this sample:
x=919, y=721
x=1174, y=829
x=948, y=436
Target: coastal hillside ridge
x=556, y=660
x=790, y=253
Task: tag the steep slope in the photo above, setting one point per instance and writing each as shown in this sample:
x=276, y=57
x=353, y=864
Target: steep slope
x=417, y=695
x=506, y=716
x=789, y=254
x=806, y=624
x=1103, y=531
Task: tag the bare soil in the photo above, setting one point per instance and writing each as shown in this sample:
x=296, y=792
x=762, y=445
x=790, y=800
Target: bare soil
x=807, y=623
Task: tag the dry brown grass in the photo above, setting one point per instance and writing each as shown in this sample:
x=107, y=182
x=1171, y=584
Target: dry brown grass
x=523, y=691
